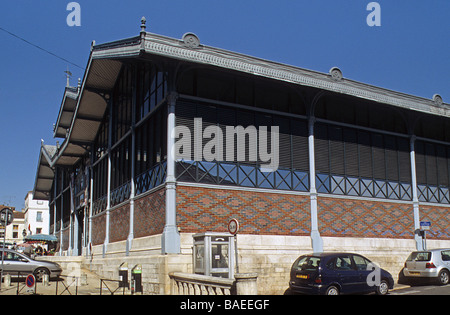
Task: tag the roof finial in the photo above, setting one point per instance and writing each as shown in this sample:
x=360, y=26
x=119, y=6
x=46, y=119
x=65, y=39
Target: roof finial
x=68, y=75
x=143, y=22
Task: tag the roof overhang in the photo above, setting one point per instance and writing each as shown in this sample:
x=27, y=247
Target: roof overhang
x=66, y=112
x=332, y=81
x=45, y=174
x=88, y=113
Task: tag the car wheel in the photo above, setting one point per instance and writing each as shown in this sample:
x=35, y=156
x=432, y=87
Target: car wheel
x=332, y=290
x=443, y=277
x=383, y=288
x=40, y=272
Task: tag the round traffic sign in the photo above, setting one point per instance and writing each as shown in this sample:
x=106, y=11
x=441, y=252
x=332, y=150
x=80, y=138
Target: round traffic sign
x=233, y=226
x=30, y=281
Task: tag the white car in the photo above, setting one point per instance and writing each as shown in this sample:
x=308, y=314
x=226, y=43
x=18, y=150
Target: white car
x=428, y=265
x=15, y=263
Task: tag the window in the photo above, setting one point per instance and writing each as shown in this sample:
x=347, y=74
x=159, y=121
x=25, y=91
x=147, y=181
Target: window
x=362, y=163
x=419, y=256
x=445, y=255
x=432, y=165
x=308, y=263
x=240, y=163
x=152, y=89
x=122, y=103
x=341, y=263
x=39, y=216
x=360, y=262
x=11, y=256
x=38, y=230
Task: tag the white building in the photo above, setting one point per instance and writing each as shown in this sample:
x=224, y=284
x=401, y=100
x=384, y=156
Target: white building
x=14, y=230
x=36, y=215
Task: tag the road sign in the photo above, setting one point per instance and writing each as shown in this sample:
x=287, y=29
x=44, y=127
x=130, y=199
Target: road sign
x=6, y=216
x=30, y=282
x=233, y=226
x=425, y=225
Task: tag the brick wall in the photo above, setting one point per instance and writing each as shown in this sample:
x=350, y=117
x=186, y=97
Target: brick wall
x=440, y=221
x=206, y=209
x=99, y=229
x=364, y=218
x=150, y=214
x=119, y=223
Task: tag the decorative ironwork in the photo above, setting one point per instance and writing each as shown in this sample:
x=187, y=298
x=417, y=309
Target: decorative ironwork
x=151, y=178
x=363, y=187
x=435, y=194
x=238, y=174
x=120, y=194
x=99, y=205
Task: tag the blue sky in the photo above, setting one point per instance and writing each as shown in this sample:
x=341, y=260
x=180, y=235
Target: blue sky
x=409, y=52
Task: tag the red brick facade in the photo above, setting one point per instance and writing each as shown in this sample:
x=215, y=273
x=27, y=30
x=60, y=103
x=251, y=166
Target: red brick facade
x=119, y=223
x=440, y=221
x=363, y=218
x=98, y=229
x=204, y=209
x=150, y=214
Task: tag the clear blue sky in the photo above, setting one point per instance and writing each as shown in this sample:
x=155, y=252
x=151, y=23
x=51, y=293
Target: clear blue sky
x=409, y=52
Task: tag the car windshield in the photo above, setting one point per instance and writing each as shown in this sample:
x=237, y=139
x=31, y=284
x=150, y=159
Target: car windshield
x=307, y=263
x=419, y=256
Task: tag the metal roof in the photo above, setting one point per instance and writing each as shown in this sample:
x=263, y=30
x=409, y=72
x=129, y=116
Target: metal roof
x=44, y=174
x=82, y=110
x=66, y=112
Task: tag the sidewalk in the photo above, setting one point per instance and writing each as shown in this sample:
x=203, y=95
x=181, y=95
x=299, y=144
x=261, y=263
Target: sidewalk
x=63, y=286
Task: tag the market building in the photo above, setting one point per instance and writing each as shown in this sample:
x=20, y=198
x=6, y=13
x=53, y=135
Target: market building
x=358, y=166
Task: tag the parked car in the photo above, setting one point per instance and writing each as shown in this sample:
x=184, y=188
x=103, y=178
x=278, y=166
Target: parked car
x=337, y=273
x=431, y=265
x=15, y=263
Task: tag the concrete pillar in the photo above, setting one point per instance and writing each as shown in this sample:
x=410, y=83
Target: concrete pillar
x=316, y=239
x=133, y=163
x=170, y=241
x=417, y=238
x=246, y=283
x=108, y=193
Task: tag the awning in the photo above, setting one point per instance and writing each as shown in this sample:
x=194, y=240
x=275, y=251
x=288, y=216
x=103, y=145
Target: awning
x=41, y=238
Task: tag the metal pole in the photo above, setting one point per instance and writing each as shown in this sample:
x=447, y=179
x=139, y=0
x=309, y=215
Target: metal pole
x=236, y=253
x=6, y=215
x=3, y=252
x=425, y=240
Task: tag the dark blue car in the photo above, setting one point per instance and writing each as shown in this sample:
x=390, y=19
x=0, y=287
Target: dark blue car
x=338, y=273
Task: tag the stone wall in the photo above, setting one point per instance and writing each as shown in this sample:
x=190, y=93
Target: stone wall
x=270, y=256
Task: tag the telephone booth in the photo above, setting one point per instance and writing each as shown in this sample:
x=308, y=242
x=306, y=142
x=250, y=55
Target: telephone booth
x=214, y=254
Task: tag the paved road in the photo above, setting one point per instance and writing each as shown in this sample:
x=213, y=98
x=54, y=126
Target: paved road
x=423, y=290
